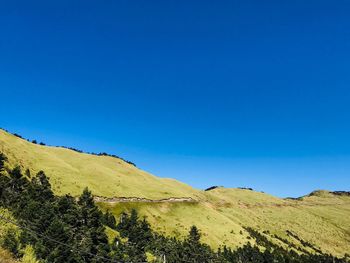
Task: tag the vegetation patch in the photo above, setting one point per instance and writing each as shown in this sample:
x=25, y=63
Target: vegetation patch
x=66, y=229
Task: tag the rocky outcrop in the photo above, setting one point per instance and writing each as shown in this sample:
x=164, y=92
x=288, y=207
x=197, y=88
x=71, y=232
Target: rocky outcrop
x=113, y=200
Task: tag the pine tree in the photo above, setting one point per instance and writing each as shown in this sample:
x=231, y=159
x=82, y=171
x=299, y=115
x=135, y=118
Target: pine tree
x=10, y=241
x=194, y=236
x=194, y=251
x=109, y=220
x=93, y=236
x=3, y=159
x=41, y=187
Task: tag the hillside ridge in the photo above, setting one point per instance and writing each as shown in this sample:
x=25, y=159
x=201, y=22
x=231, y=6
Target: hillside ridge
x=103, y=154
x=71, y=171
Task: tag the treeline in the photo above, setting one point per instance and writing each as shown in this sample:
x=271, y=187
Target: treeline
x=65, y=229
x=72, y=148
x=215, y=186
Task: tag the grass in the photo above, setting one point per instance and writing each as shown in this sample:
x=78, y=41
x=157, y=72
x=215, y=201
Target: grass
x=221, y=214
x=175, y=219
x=322, y=221
x=70, y=171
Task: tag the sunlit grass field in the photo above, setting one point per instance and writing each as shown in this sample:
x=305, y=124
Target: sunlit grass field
x=70, y=171
x=221, y=214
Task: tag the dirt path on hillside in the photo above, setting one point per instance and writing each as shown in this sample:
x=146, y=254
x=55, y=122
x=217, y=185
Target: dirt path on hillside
x=114, y=200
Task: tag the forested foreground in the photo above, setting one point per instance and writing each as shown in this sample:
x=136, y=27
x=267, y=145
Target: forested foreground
x=66, y=229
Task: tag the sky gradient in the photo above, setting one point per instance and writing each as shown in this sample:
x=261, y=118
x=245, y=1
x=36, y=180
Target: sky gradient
x=233, y=93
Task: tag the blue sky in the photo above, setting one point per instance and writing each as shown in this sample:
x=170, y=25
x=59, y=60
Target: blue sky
x=233, y=93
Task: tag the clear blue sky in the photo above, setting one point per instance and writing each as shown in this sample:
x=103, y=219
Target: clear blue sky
x=233, y=93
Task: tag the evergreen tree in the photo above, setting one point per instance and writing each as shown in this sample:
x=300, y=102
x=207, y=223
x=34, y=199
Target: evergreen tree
x=109, y=220
x=93, y=237
x=3, y=159
x=194, y=236
x=10, y=242
x=41, y=187
x=194, y=251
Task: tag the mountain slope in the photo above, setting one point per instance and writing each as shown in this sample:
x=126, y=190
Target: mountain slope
x=223, y=214
x=70, y=171
x=318, y=221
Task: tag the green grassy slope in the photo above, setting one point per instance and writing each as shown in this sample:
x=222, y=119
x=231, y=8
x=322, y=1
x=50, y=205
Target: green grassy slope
x=70, y=171
x=321, y=219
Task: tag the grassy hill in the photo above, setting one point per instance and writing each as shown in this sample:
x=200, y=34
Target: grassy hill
x=321, y=219
x=70, y=171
